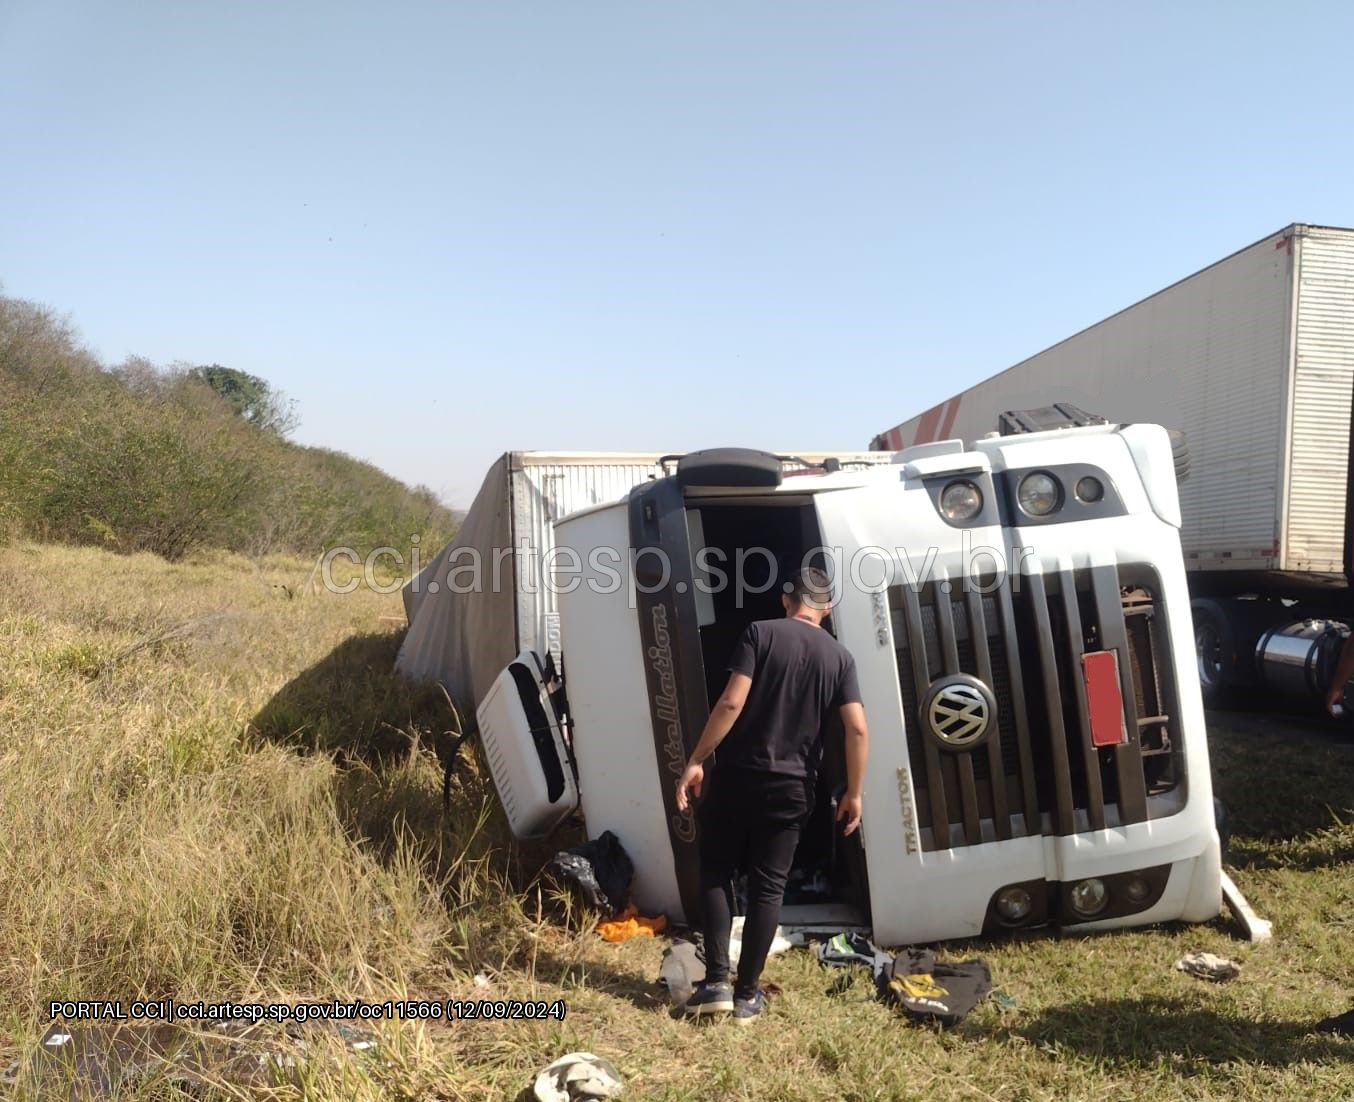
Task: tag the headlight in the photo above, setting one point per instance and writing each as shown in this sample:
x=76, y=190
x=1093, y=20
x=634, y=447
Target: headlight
x=1090, y=489
x=1039, y=494
x=1014, y=904
x=1137, y=889
x=1089, y=897
x=960, y=501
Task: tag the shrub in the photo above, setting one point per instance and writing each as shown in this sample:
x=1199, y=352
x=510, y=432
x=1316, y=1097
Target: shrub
x=138, y=458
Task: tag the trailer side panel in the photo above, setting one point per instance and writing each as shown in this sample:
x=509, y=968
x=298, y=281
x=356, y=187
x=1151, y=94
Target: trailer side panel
x=1323, y=379
x=1212, y=355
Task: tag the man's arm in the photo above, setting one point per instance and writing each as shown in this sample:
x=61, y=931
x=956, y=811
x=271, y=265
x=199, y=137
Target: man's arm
x=1344, y=670
x=726, y=711
x=857, y=751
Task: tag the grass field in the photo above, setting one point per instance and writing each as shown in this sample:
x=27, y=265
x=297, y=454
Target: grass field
x=211, y=786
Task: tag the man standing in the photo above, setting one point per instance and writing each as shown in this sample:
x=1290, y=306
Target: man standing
x=786, y=678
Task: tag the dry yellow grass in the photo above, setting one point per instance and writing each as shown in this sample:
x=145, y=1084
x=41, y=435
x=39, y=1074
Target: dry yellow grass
x=210, y=789
x=160, y=837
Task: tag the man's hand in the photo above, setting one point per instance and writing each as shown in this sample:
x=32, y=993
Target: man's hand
x=849, y=809
x=857, y=752
x=693, y=776
x=726, y=710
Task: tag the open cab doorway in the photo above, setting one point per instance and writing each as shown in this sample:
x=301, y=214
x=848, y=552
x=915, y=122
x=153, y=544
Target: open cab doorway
x=743, y=550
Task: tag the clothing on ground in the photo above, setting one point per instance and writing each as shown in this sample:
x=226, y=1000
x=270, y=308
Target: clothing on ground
x=1208, y=966
x=576, y=1076
x=924, y=988
x=852, y=948
x=928, y=990
x=630, y=923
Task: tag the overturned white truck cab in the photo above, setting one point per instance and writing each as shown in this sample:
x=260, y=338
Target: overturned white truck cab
x=1019, y=619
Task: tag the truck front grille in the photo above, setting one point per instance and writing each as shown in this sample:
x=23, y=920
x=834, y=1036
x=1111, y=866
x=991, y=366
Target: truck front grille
x=1024, y=638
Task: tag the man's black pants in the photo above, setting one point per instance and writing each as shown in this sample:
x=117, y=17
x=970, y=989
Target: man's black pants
x=750, y=821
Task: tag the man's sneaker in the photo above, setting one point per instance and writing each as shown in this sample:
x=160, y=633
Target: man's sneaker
x=710, y=998
x=745, y=1010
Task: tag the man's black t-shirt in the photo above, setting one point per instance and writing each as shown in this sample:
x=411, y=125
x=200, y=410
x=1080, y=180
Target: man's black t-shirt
x=800, y=675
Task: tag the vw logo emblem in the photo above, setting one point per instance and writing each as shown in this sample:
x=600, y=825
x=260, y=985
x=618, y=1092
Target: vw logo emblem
x=958, y=712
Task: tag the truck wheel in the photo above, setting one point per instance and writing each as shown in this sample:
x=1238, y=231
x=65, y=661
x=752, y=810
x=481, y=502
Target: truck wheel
x=1215, y=649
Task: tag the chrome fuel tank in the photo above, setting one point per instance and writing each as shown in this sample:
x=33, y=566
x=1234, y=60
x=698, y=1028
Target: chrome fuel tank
x=1298, y=658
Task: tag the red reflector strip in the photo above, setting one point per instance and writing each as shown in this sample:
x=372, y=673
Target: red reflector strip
x=1104, y=701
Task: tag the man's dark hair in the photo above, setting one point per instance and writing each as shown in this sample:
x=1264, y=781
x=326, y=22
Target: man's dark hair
x=811, y=587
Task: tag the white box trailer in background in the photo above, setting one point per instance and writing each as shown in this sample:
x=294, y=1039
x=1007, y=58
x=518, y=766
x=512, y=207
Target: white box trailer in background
x=1253, y=357
x=482, y=600
x=464, y=627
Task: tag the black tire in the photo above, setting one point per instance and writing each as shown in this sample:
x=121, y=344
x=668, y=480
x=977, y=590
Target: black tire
x=1215, y=652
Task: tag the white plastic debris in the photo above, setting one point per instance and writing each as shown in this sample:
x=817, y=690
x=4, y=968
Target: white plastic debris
x=577, y=1075
x=1208, y=966
x=779, y=942
x=56, y=1040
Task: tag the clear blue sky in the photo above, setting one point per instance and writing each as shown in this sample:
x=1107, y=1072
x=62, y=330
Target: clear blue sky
x=452, y=229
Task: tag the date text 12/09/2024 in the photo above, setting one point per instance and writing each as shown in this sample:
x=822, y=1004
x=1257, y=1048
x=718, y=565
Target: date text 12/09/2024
x=358, y=1010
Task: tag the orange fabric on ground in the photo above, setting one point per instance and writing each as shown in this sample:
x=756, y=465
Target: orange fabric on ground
x=630, y=923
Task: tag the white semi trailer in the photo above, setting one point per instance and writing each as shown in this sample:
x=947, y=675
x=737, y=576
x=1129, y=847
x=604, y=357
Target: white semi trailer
x=1253, y=358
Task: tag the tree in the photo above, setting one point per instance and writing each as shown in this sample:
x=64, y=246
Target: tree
x=251, y=398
